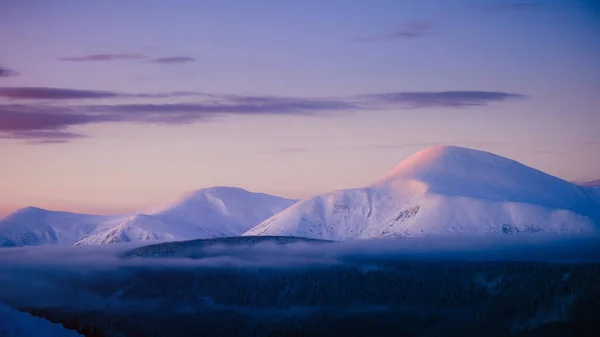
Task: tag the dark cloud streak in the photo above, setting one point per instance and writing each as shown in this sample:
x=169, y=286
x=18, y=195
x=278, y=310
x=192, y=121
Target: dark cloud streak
x=411, y=30
x=134, y=56
x=103, y=57
x=42, y=137
x=174, y=60
x=286, y=150
x=48, y=135
x=5, y=72
x=31, y=118
x=52, y=122
x=45, y=93
x=449, y=99
x=52, y=93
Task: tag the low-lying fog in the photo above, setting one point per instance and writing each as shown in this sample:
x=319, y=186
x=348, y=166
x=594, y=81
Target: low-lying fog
x=60, y=275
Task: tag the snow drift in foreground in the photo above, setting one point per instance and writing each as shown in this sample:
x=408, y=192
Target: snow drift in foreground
x=14, y=323
x=444, y=190
x=205, y=213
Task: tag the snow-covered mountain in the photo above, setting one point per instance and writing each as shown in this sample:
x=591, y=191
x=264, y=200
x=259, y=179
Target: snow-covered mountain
x=14, y=323
x=444, y=189
x=201, y=214
x=593, y=183
x=32, y=226
x=595, y=188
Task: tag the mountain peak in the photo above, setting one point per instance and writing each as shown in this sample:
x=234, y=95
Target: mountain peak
x=444, y=160
x=29, y=210
x=459, y=171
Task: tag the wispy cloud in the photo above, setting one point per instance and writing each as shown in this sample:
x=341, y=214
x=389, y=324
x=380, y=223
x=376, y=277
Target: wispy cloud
x=35, y=137
x=44, y=134
x=5, y=72
x=174, y=60
x=410, y=30
x=45, y=93
x=285, y=150
x=404, y=146
x=468, y=143
x=452, y=99
x=52, y=122
x=21, y=118
x=41, y=124
x=103, y=57
x=502, y=6
x=132, y=56
x=52, y=93
x=48, y=141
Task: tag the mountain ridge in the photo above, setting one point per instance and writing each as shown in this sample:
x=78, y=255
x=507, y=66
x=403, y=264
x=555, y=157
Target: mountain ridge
x=198, y=214
x=443, y=189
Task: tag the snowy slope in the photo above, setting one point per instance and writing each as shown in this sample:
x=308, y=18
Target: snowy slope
x=14, y=323
x=593, y=183
x=201, y=214
x=444, y=189
x=594, y=186
x=33, y=226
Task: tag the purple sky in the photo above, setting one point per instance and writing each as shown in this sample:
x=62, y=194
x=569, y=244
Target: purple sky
x=111, y=106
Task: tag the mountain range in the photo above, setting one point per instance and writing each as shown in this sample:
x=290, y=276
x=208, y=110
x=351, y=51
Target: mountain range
x=440, y=190
x=201, y=214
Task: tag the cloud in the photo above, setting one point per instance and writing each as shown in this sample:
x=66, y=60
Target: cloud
x=430, y=144
x=509, y=6
x=185, y=113
x=47, y=141
x=452, y=99
x=65, y=275
x=69, y=276
x=119, y=57
x=45, y=93
x=36, y=137
x=404, y=146
x=16, y=119
x=52, y=93
x=174, y=60
x=43, y=134
x=20, y=118
x=44, y=124
x=5, y=72
x=285, y=150
x=410, y=30
x=103, y=57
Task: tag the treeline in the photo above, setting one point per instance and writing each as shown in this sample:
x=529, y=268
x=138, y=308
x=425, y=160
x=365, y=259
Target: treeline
x=402, y=298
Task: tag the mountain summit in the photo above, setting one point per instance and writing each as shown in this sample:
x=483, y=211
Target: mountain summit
x=443, y=189
x=453, y=170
